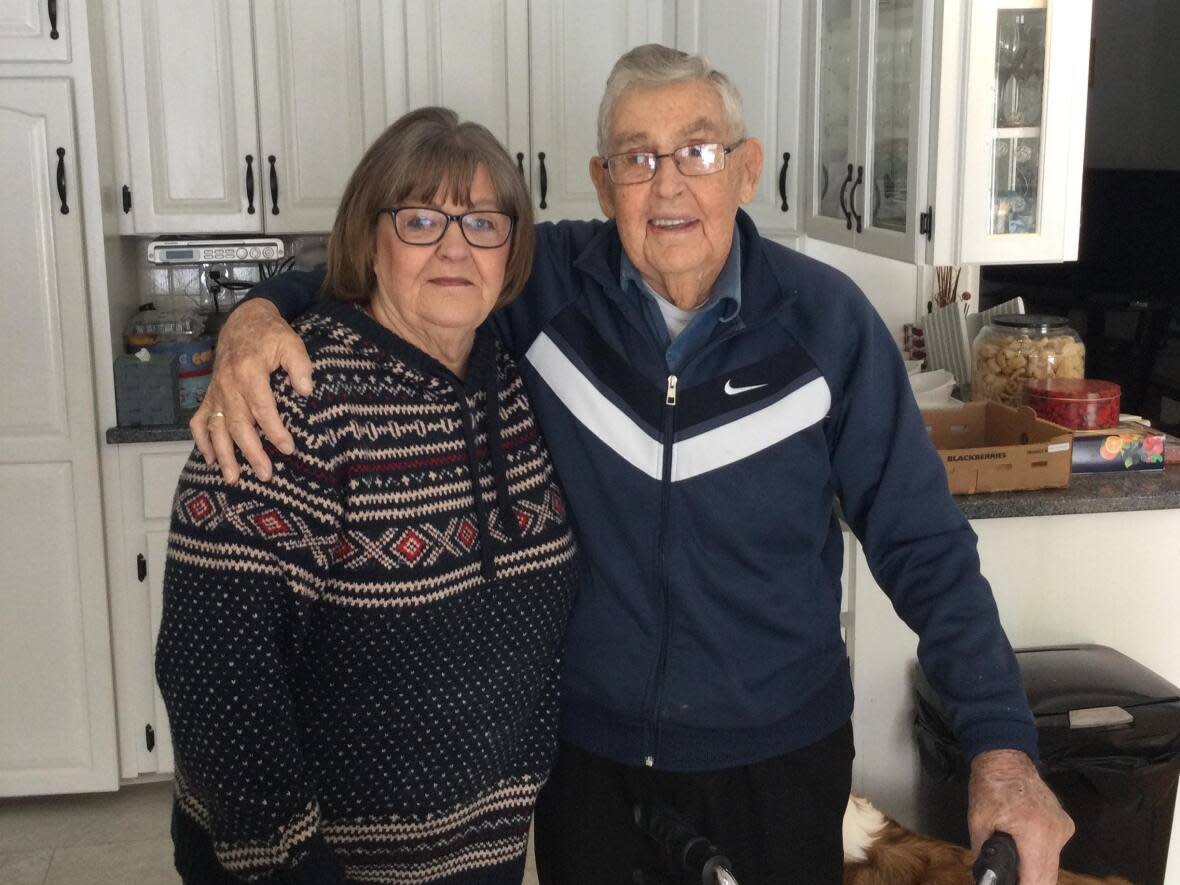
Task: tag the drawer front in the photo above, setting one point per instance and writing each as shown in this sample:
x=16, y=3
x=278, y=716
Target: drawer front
x=160, y=471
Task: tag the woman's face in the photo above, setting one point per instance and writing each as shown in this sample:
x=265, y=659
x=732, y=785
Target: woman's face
x=446, y=288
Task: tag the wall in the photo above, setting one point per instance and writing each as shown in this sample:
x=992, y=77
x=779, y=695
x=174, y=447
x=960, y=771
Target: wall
x=891, y=286
x=1133, y=117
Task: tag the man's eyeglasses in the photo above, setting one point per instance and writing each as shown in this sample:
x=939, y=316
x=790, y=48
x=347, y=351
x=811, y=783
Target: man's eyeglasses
x=420, y=226
x=637, y=167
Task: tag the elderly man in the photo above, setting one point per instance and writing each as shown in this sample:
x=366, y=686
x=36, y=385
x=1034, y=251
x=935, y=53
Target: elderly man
x=708, y=396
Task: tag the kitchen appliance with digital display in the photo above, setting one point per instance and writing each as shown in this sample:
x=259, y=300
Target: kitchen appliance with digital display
x=206, y=251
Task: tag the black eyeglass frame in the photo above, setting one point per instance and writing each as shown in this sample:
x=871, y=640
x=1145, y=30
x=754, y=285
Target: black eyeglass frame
x=726, y=150
x=458, y=219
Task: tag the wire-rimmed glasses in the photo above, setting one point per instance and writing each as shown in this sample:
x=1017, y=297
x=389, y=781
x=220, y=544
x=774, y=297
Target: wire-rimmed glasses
x=636, y=167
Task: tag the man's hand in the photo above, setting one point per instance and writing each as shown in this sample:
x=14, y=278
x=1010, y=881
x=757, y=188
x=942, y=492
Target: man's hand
x=254, y=342
x=1006, y=793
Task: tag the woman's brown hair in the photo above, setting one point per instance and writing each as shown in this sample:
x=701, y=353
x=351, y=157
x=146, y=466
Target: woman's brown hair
x=421, y=152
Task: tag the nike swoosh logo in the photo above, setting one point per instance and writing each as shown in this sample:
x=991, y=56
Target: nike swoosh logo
x=732, y=391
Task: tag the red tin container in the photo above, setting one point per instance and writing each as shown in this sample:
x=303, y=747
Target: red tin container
x=1076, y=403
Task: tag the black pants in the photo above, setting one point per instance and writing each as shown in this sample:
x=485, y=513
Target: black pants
x=778, y=821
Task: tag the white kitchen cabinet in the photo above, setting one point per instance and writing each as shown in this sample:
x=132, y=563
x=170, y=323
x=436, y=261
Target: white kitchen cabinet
x=57, y=729
x=473, y=56
x=156, y=544
x=323, y=97
x=204, y=156
x=148, y=474
x=948, y=133
x=868, y=116
x=759, y=44
x=188, y=83
x=34, y=30
x=1021, y=125
x=532, y=71
x=573, y=46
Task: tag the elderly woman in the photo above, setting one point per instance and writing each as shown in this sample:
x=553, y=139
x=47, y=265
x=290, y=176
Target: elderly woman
x=359, y=656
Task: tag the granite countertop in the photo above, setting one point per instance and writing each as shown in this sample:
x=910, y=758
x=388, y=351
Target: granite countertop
x=1086, y=493
x=152, y=432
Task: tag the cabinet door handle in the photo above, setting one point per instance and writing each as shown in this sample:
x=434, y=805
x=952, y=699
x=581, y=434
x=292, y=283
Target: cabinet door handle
x=782, y=180
x=126, y=200
x=520, y=163
x=274, y=186
x=53, y=33
x=249, y=184
x=61, y=180
x=544, y=179
x=843, y=204
x=860, y=179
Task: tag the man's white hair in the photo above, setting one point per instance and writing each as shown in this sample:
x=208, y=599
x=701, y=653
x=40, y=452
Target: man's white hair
x=653, y=65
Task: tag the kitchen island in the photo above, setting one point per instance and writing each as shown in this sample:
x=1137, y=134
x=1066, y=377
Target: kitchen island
x=1098, y=562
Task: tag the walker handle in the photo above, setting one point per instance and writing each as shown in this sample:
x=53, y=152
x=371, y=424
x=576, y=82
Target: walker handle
x=997, y=861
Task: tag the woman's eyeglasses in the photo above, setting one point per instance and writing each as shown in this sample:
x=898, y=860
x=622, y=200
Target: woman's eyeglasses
x=637, y=167
x=421, y=226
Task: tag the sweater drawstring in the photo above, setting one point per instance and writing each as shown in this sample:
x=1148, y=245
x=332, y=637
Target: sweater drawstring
x=499, y=473
x=499, y=459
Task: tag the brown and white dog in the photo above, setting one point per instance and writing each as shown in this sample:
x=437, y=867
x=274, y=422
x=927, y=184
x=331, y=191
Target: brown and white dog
x=880, y=851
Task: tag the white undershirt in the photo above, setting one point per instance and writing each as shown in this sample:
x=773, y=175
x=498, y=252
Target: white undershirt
x=675, y=319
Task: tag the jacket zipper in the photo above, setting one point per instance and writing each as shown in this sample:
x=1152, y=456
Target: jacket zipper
x=649, y=760
x=665, y=494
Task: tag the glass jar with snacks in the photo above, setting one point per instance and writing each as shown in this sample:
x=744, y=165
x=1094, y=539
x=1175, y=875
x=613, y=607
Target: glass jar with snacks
x=1013, y=349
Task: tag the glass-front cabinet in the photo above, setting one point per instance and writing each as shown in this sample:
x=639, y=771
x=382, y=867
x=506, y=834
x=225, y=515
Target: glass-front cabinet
x=947, y=133
x=866, y=99
x=1024, y=130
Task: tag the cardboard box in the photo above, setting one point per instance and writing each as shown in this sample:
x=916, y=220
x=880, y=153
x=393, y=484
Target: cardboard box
x=1118, y=449
x=987, y=447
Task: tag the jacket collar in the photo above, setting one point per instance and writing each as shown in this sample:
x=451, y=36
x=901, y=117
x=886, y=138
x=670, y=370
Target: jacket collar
x=761, y=286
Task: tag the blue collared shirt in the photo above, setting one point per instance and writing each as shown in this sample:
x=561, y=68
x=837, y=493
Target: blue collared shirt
x=722, y=306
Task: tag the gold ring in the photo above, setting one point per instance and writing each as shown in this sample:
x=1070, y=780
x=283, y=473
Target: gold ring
x=216, y=415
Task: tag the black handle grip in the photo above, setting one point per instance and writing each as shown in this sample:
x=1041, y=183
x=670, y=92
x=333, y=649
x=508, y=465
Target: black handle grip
x=126, y=200
x=686, y=850
x=249, y=184
x=843, y=204
x=274, y=186
x=520, y=163
x=860, y=179
x=544, y=179
x=61, y=180
x=782, y=181
x=997, y=856
x=53, y=33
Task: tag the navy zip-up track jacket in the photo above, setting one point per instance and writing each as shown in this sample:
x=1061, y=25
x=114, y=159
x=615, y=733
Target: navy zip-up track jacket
x=706, y=631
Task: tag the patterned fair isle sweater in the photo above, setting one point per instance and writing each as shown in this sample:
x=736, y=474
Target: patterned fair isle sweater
x=359, y=657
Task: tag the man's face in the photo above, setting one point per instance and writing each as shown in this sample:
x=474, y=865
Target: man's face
x=676, y=229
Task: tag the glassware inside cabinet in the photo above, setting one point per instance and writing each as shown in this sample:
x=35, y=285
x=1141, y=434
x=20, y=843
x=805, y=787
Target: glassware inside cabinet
x=1020, y=66
x=837, y=67
x=1015, y=180
x=1016, y=143
x=892, y=86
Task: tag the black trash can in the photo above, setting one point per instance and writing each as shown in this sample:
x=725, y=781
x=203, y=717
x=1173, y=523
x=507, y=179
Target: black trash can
x=1109, y=735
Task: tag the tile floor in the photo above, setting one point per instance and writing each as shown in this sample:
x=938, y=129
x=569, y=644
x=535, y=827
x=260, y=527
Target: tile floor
x=116, y=838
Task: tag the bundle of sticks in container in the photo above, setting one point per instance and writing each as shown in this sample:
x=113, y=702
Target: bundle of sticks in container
x=946, y=287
